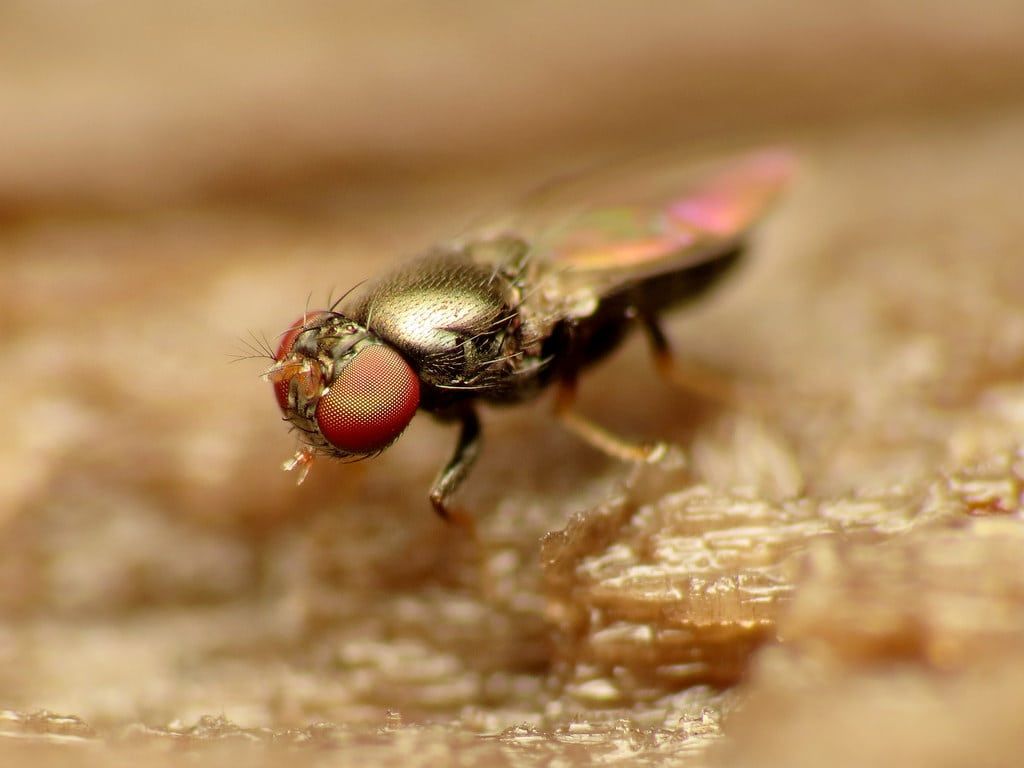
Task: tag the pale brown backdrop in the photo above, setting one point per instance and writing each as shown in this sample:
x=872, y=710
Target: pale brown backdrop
x=833, y=576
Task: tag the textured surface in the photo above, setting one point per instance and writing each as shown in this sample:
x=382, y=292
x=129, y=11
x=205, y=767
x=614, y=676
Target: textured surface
x=826, y=574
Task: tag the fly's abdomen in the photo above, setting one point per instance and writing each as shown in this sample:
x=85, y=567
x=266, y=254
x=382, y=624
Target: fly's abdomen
x=581, y=341
x=673, y=289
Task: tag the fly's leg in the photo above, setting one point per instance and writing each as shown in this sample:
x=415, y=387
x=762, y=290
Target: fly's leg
x=776, y=457
x=455, y=471
x=699, y=380
x=597, y=436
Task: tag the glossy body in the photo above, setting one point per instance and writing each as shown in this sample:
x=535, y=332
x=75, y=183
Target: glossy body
x=494, y=319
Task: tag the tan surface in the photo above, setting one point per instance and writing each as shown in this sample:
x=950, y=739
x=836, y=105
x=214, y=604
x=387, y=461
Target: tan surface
x=833, y=578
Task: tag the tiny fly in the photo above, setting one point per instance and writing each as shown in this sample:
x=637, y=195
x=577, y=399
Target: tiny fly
x=499, y=319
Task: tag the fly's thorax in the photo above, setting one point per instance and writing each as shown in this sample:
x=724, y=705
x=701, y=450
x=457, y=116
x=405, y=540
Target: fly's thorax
x=447, y=311
x=346, y=391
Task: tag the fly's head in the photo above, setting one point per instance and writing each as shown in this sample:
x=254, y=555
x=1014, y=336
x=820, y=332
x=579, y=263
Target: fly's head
x=347, y=393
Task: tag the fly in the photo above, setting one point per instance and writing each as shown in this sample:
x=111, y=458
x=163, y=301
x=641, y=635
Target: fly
x=500, y=319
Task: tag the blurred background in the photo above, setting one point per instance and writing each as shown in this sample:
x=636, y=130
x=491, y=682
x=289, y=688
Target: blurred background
x=174, y=177
x=137, y=105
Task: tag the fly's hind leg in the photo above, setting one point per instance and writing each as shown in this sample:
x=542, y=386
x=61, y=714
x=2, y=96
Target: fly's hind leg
x=700, y=380
x=597, y=436
x=768, y=450
x=454, y=472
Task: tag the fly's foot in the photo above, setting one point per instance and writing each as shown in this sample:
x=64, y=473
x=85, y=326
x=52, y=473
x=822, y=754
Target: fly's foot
x=667, y=457
x=656, y=452
x=454, y=515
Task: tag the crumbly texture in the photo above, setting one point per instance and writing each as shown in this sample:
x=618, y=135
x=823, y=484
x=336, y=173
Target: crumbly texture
x=825, y=570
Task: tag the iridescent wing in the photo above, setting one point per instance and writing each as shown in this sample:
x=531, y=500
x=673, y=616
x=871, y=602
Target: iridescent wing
x=603, y=247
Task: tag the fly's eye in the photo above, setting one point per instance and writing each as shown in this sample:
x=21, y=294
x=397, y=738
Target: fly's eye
x=370, y=402
x=281, y=383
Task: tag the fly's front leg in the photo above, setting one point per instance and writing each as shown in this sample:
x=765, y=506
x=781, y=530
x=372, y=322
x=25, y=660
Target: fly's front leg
x=455, y=471
x=596, y=435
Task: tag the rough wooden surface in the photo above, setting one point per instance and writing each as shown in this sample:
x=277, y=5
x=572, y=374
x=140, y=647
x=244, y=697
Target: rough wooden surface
x=830, y=576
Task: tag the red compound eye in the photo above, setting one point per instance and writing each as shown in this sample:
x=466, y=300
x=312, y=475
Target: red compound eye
x=281, y=384
x=370, y=402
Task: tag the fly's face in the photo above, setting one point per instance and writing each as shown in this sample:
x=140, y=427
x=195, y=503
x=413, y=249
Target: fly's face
x=348, y=394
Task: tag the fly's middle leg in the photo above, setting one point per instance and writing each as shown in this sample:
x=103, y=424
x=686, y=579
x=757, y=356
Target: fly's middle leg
x=597, y=436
